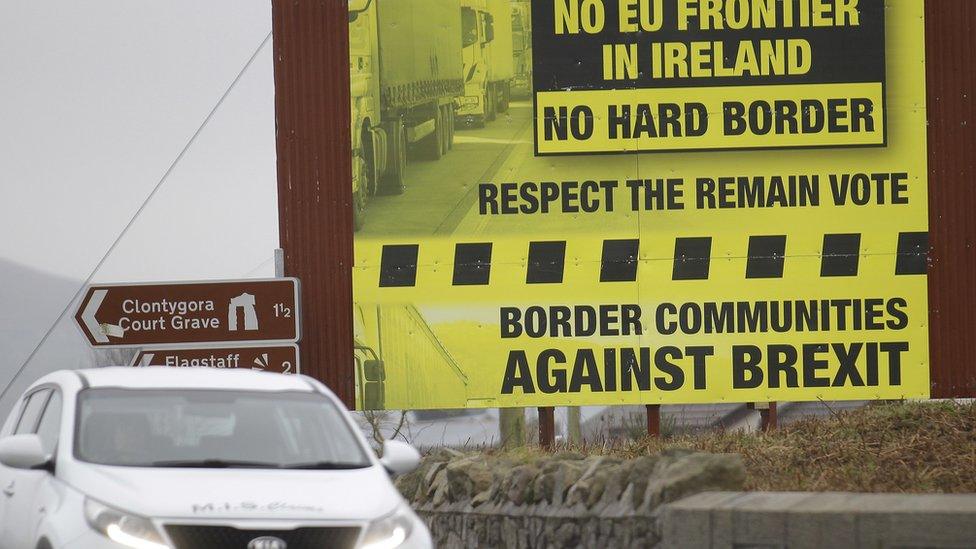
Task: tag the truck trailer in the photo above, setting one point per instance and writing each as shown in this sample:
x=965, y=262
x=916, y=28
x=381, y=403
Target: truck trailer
x=488, y=60
x=405, y=74
x=395, y=346
x=522, y=48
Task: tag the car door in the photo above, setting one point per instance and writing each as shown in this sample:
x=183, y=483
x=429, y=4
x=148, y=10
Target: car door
x=15, y=484
x=6, y=474
x=40, y=492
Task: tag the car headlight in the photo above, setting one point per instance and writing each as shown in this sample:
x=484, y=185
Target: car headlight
x=390, y=531
x=123, y=528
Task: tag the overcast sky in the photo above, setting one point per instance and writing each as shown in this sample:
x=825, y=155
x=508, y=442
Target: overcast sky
x=98, y=99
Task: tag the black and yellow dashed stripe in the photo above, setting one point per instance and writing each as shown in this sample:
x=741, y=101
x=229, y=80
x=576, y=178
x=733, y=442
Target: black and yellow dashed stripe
x=766, y=257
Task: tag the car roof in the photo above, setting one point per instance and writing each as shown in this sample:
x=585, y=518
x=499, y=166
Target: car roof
x=163, y=377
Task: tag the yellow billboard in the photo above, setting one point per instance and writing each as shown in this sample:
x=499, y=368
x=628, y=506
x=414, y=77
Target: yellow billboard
x=567, y=202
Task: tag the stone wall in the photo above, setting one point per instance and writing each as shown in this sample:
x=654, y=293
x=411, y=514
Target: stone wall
x=560, y=500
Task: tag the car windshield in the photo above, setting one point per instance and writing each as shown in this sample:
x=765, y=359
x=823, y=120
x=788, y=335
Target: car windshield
x=469, y=27
x=214, y=428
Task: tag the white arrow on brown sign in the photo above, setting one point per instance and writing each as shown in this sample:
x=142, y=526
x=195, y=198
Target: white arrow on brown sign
x=282, y=359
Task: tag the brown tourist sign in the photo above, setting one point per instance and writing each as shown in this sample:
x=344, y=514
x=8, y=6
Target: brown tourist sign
x=281, y=359
x=186, y=313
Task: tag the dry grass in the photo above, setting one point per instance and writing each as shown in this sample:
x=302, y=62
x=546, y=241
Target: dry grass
x=903, y=447
x=897, y=447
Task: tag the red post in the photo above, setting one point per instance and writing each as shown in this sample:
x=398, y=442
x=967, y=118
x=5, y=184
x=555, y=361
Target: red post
x=950, y=55
x=311, y=76
x=767, y=417
x=653, y=420
x=547, y=427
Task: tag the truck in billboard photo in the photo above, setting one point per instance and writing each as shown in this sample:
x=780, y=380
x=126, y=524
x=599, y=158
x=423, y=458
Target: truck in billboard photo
x=405, y=73
x=522, y=48
x=394, y=345
x=488, y=60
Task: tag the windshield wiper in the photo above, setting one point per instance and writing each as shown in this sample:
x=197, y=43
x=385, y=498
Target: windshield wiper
x=325, y=465
x=216, y=464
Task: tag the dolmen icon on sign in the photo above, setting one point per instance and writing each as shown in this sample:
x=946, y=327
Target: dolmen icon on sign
x=244, y=302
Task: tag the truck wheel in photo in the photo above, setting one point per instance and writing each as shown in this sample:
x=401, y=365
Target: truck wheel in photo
x=446, y=118
x=393, y=181
x=367, y=169
x=490, y=104
x=432, y=146
x=504, y=97
x=451, y=124
x=477, y=120
x=360, y=189
x=358, y=210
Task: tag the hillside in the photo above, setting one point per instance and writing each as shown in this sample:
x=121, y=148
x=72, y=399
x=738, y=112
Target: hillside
x=30, y=300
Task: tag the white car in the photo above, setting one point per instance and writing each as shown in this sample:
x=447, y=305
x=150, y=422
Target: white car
x=186, y=458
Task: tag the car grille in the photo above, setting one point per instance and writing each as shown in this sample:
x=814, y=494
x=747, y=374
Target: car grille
x=225, y=537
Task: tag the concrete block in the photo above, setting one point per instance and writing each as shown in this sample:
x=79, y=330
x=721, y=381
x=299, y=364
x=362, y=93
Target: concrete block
x=760, y=519
x=821, y=521
x=751, y=519
x=705, y=500
x=836, y=520
x=691, y=528
x=923, y=520
x=689, y=522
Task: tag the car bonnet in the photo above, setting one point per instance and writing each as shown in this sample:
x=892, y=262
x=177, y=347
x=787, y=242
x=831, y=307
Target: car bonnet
x=265, y=494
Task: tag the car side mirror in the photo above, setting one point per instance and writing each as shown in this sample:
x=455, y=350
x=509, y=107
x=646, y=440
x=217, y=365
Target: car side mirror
x=357, y=7
x=23, y=452
x=399, y=458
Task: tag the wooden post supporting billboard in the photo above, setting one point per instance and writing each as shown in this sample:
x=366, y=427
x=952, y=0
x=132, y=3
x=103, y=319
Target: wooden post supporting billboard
x=547, y=427
x=653, y=420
